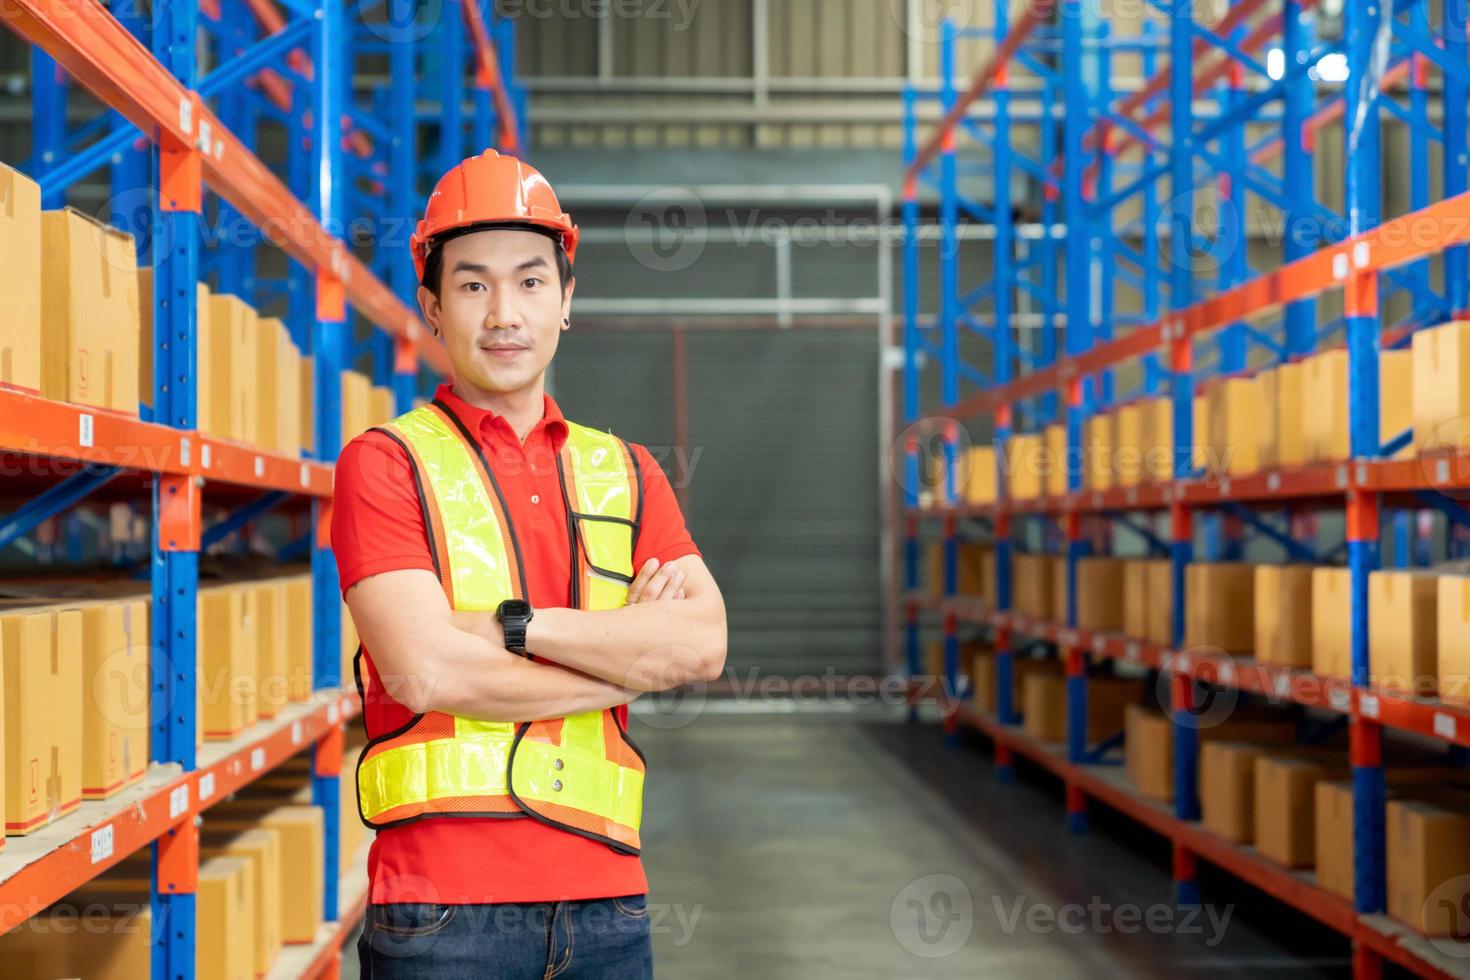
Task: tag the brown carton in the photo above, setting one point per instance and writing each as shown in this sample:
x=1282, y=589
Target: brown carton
x=1220, y=605
x=42, y=649
x=1331, y=618
x=89, y=312
x=1283, y=617
x=1401, y=630
x=20, y=280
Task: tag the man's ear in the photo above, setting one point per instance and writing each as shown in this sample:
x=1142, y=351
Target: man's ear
x=429, y=306
x=566, y=303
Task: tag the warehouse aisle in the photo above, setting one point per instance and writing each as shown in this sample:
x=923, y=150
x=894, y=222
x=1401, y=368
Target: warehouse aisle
x=828, y=844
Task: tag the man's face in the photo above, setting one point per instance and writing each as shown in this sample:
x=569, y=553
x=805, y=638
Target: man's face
x=500, y=307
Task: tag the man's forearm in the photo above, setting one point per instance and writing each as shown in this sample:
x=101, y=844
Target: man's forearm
x=652, y=646
x=472, y=677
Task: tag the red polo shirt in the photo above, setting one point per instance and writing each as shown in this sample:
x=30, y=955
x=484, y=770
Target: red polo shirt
x=377, y=527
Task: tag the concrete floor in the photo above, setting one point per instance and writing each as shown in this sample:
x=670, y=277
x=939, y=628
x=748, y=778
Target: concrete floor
x=848, y=844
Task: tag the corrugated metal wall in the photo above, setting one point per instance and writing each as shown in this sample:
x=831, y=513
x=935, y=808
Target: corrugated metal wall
x=782, y=463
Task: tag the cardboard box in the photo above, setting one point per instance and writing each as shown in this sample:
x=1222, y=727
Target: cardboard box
x=356, y=405
x=228, y=371
x=1452, y=637
x=1227, y=781
x=308, y=403
x=1283, y=615
x=229, y=644
x=1282, y=438
x=1044, y=706
x=1060, y=593
x=1220, y=605
x=1128, y=454
x=299, y=636
x=1032, y=585
x=225, y=919
x=302, y=856
x=980, y=667
x=277, y=415
x=980, y=481
x=1148, y=743
x=1285, y=824
x=1428, y=849
x=1159, y=573
x=1135, y=598
x=116, y=646
x=93, y=933
x=1157, y=436
x=262, y=849
x=1324, y=388
x=89, y=312
x=1332, y=649
x=1100, y=593
x=42, y=649
x=1025, y=467
x=1200, y=438
x=382, y=405
x=1060, y=461
x=1401, y=630
x=1441, y=399
x=1148, y=752
x=1100, y=440
x=273, y=680
x=1333, y=815
x=1235, y=431
x=20, y=280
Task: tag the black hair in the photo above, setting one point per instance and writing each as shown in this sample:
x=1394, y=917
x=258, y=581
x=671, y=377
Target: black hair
x=434, y=262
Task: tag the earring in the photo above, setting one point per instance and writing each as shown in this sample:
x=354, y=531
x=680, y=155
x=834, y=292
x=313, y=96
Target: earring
x=566, y=321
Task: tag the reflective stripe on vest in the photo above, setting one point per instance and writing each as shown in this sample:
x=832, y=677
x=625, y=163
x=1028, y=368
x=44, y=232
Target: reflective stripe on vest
x=581, y=773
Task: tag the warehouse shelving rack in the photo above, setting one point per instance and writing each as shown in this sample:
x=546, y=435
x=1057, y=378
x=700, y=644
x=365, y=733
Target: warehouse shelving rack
x=1191, y=330
x=168, y=133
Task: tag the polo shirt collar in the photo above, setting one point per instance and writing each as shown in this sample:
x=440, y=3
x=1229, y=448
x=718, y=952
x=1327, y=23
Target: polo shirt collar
x=492, y=427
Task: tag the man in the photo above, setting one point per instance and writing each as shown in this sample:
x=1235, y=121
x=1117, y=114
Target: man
x=487, y=547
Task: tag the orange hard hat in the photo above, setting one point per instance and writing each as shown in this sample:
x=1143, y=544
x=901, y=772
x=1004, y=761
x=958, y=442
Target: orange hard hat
x=490, y=189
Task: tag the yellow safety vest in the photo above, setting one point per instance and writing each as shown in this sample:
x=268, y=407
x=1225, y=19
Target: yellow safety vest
x=581, y=773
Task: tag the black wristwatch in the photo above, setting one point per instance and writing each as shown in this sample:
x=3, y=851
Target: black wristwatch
x=514, y=614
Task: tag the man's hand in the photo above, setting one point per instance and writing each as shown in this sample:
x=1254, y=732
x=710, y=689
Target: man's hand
x=655, y=582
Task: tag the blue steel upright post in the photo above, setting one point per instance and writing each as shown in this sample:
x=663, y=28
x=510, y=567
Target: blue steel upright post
x=176, y=498
x=331, y=344
x=1362, y=135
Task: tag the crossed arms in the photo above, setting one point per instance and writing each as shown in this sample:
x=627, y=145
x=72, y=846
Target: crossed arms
x=431, y=658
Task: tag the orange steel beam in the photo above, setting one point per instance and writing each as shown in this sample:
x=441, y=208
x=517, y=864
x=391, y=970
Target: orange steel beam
x=488, y=75
x=1392, y=244
x=1036, y=11
x=104, y=56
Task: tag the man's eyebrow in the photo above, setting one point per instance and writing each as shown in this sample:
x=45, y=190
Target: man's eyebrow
x=464, y=265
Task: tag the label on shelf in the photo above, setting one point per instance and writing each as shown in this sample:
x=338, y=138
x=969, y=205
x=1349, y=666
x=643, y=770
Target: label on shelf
x=204, y=456
x=1225, y=671
x=102, y=843
x=206, y=786
x=1444, y=725
x=1368, y=705
x=259, y=467
x=1282, y=686
x=1442, y=471
x=1130, y=652
x=84, y=429
x=296, y=732
x=333, y=713
x=257, y=758
x=305, y=475
x=1099, y=645
x=178, y=801
x=1273, y=481
x=185, y=448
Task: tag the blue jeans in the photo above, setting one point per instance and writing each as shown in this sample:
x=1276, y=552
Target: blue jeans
x=585, y=940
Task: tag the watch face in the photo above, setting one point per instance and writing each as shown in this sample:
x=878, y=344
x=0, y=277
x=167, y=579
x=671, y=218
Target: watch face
x=515, y=607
